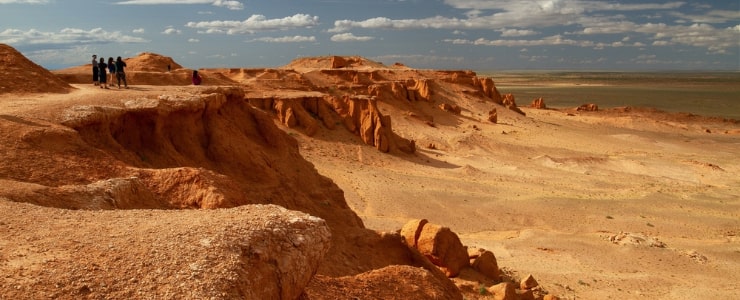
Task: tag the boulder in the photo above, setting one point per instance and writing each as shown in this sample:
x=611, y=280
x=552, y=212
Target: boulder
x=525, y=295
x=438, y=244
x=493, y=116
x=484, y=262
x=503, y=291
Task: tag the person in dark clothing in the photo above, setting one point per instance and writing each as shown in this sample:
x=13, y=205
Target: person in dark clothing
x=120, y=73
x=95, y=69
x=102, y=67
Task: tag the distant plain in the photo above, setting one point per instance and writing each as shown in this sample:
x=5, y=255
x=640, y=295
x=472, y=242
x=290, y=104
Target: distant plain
x=713, y=94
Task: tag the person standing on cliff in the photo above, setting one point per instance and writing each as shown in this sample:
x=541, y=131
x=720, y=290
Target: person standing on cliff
x=120, y=73
x=102, y=66
x=111, y=69
x=95, y=69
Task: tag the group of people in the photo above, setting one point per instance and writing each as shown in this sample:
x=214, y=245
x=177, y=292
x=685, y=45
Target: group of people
x=100, y=68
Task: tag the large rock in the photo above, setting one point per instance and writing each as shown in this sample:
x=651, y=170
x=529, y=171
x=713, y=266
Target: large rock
x=438, y=244
x=484, y=262
x=493, y=115
x=249, y=252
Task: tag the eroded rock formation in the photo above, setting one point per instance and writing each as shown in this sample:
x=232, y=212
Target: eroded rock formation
x=510, y=103
x=538, y=103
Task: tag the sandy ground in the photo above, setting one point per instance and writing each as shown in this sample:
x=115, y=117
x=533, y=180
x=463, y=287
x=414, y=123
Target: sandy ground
x=550, y=194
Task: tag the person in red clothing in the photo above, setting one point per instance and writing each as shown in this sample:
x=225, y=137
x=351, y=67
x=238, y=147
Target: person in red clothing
x=196, y=78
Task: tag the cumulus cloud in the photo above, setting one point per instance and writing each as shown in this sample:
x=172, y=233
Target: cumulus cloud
x=193, y=40
x=287, y=39
x=139, y=30
x=232, y=5
x=255, y=23
x=65, y=38
x=598, y=19
x=171, y=30
x=349, y=37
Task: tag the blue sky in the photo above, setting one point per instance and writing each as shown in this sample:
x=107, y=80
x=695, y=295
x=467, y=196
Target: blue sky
x=482, y=35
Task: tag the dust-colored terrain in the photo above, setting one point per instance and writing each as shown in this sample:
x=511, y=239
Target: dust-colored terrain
x=620, y=204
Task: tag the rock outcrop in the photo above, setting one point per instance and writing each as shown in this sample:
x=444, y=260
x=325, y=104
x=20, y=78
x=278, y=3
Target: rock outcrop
x=538, y=103
x=249, y=252
x=488, y=87
x=510, y=103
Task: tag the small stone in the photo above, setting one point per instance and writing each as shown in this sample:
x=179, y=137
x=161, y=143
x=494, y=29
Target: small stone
x=528, y=283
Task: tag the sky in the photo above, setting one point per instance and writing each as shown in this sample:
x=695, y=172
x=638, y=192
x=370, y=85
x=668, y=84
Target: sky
x=479, y=35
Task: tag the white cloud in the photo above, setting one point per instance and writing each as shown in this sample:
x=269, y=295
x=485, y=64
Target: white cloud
x=712, y=16
x=193, y=41
x=546, y=41
x=287, y=39
x=716, y=40
x=349, y=37
x=171, y=30
x=65, y=38
x=505, y=13
x=516, y=32
x=256, y=23
x=561, y=6
x=139, y=30
x=24, y=1
x=232, y=5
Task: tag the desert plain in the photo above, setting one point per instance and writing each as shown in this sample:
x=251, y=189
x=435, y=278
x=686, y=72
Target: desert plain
x=618, y=203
